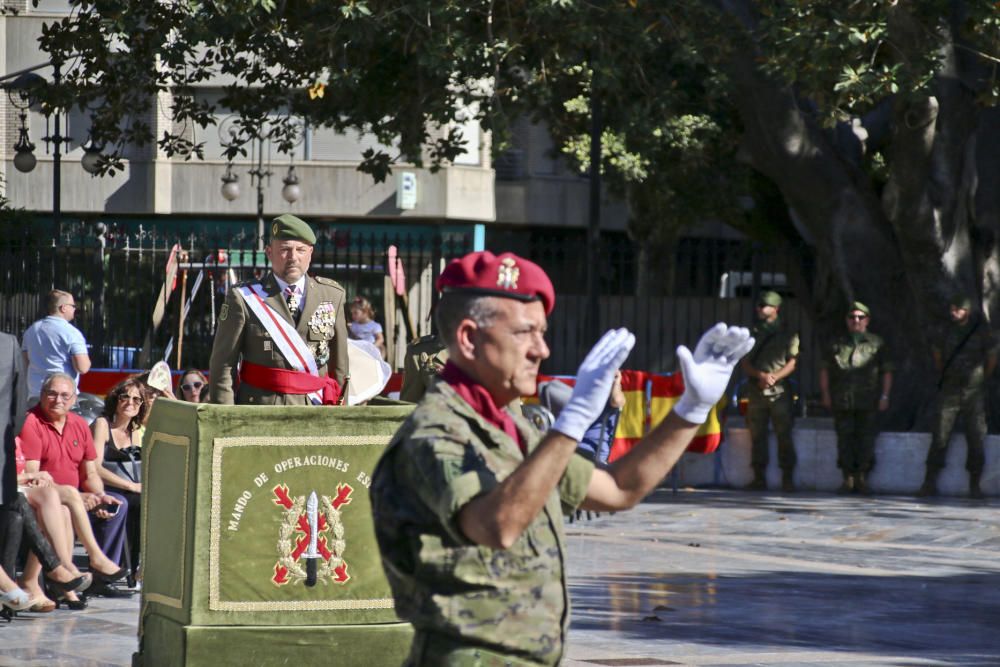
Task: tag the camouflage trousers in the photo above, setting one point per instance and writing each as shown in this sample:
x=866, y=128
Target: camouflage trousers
x=971, y=406
x=856, y=432
x=430, y=650
x=778, y=412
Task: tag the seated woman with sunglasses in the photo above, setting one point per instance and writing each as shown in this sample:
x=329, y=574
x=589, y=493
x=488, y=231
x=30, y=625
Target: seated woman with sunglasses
x=191, y=384
x=117, y=440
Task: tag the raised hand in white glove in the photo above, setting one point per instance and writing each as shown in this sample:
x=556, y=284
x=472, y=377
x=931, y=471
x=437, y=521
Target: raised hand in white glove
x=594, y=379
x=707, y=371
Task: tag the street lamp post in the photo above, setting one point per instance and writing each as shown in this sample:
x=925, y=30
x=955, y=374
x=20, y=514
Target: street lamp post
x=259, y=172
x=20, y=94
x=257, y=175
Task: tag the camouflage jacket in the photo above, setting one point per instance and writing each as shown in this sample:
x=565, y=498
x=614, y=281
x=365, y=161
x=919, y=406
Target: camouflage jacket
x=423, y=362
x=512, y=601
x=967, y=366
x=855, y=366
x=240, y=336
x=774, y=347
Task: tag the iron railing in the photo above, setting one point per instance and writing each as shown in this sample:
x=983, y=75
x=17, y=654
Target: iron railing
x=117, y=272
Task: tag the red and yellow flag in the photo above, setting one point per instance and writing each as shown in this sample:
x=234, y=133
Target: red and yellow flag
x=662, y=392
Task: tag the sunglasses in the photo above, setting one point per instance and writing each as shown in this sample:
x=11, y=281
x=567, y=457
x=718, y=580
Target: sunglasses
x=191, y=386
x=857, y=317
x=133, y=399
x=55, y=395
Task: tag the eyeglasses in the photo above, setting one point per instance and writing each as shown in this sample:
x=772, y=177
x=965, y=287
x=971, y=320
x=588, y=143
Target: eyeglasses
x=133, y=399
x=191, y=386
x=56, y=395
x=857, y=317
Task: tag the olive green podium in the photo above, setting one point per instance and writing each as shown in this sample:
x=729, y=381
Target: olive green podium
x=258, y=545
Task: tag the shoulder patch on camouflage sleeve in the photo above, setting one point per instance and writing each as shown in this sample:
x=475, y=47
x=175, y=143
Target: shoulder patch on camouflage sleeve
x=224, y=313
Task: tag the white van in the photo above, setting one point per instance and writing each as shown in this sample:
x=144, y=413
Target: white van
x=740, y=284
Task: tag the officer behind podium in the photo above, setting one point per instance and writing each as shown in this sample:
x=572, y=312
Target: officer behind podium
x=286, y=332
x=468, y=497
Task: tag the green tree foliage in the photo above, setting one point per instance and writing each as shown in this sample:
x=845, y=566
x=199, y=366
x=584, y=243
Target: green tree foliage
x=873, y=122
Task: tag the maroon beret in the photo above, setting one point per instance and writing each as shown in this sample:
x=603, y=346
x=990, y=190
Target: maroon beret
x=498, y=275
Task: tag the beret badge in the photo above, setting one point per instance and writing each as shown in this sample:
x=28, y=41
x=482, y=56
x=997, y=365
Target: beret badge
x=507, y=274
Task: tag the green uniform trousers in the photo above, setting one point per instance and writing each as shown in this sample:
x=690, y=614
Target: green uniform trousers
x=971, y=405
x=856, y=432
x=779, y=412
x=430, y=650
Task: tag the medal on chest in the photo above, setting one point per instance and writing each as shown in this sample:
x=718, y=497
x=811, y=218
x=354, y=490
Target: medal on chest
x=323, y=319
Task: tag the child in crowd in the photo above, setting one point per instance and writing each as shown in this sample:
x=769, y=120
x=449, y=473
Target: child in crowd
x=363, y=325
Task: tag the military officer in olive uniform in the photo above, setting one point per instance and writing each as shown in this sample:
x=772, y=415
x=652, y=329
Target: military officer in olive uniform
x=467, y=498
x=424, y=359
x=965, y=359
x=253, y=340
x=772, y=360
x=855, y=381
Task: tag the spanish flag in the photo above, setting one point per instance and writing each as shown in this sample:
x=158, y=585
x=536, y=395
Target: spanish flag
x=662, y=391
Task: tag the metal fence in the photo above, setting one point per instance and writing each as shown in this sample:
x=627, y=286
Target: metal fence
x=118, y=273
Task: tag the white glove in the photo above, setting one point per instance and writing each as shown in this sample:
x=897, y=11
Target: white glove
x=594, y=380
x=707, y=371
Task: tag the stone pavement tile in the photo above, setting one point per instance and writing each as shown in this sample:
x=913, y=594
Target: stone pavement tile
x=102, y=635
x=716, y=578
x=731, y=578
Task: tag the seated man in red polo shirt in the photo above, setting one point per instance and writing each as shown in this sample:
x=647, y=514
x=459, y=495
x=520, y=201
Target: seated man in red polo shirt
x=56, y=441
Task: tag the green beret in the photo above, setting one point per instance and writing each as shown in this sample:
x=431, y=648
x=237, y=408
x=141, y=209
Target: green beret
x=290, y=227
x=770, y=298
x=961, y=301
x=857, y=305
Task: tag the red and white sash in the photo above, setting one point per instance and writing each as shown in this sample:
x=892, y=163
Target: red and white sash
x=284, y=335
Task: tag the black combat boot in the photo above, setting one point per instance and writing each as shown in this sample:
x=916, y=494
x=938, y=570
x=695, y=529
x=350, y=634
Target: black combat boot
x=974, y=490
x=929, y=487
x=759, y=482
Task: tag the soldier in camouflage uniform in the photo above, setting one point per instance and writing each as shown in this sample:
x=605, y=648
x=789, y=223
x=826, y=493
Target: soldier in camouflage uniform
x=467, y=498
x=855, y=381
x=965, y=360
x=243, y=340
x=771, y=360
x=423, y=362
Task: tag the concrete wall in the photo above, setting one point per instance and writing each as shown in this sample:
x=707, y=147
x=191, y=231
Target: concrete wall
x=193, y=188
x=899, y=462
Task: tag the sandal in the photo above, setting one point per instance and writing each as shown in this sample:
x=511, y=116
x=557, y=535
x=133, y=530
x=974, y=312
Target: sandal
x=15, y=599
x=41, y=605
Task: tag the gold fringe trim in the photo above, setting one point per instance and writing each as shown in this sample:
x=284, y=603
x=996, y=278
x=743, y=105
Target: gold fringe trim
x=219, y=445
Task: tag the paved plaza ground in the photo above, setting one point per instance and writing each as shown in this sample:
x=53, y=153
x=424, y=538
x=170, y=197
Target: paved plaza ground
x=713, y=577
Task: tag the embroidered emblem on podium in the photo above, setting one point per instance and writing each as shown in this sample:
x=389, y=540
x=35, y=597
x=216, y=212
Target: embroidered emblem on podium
x=311, y=538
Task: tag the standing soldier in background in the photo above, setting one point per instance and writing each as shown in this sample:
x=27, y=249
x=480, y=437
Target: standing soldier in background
x=424, y=359
x=965, y=360
x=855, y=381
x=286, y=333
x=768, y=364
